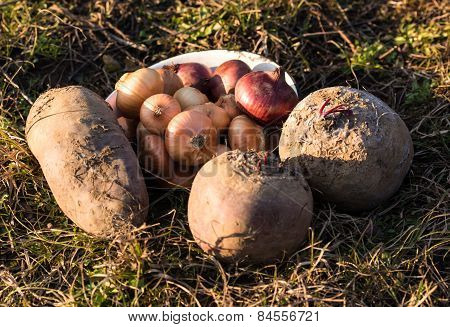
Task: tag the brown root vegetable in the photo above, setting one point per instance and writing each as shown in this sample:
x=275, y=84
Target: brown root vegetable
x=229, y=104
x=87, y=161
x=355, y=148
x=157, y=111
x=244, y=134
x=172, y=81
x=245, y=206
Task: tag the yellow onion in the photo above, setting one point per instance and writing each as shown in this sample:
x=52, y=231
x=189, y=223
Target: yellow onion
x=229, y=104
x=135, y=87
x=191, y=138
x=244, y=134
x=219, y=117
x=128, y=125
x=152, y=153
x=189, y=96
x=172, y=81
x=157, y=111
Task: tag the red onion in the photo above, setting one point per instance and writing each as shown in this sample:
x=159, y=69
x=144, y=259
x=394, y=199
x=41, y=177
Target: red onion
x=265, y=96
x=225, y=78
x=193, y=74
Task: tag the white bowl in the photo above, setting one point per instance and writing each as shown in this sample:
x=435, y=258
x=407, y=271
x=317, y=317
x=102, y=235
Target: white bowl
x=214, y=58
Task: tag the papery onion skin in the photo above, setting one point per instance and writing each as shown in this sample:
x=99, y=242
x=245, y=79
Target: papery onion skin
x=135, y=88
x=229, y=104
x=265, y=96
x=172, y=82
x=191, y=138
x=244, y=134
x=128, y=125
x=225, y=78
x=219, y=117
x=193, y=74
x=157, y=111
x=154, y=159
x=188, y=96
x=152, y=153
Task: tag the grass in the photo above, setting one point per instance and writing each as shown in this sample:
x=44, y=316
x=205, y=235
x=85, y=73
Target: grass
x=394, y=255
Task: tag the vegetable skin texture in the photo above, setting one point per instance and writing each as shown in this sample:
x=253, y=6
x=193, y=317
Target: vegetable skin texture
x=240, y=214
x=356, y=159
x=87, y=161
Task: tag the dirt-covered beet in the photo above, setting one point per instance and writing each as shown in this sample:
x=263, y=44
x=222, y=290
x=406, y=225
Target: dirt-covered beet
x=246, y=206
x=87, y=161
x=355, y=150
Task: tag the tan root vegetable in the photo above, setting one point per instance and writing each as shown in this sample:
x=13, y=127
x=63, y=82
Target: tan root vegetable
x=229, y=104
x=355, y=148
x=244, y=134
x=172, y=82
x=191, y=138
x=157, y=111
x=87, y=161
x=189, y=96
x=219, y=117
x=133, y=88
x=245, y=206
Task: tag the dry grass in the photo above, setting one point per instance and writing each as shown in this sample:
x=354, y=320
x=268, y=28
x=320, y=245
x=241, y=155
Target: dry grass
x=395, y=255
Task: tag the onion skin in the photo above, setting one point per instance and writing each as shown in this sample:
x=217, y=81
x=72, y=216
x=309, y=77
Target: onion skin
x=219, y=117
x=128, y=125
x=152, y=153
x=133, y=88
x=191, y=138
x=193, y=74
x=229, y=104
x=157, y=111
x=244, y=134
x=225, y=78
x=172, y=81
x=265, y=96
x=189, y=96
x=154, y=159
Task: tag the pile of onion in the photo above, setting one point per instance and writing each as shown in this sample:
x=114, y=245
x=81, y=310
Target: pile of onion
x=189, y=114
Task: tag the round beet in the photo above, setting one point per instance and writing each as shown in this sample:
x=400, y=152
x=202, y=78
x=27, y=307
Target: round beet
x=244, y=206
x=355, y=148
